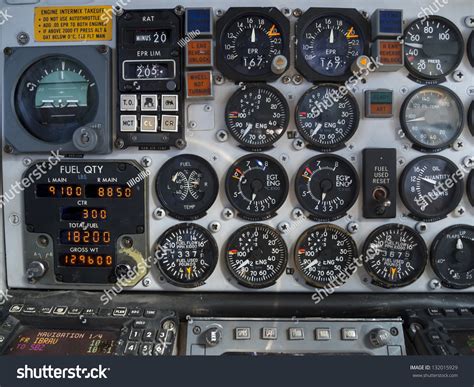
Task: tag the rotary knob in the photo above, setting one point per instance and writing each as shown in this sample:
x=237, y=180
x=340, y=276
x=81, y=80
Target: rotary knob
x=379, y=337
x=213, y=336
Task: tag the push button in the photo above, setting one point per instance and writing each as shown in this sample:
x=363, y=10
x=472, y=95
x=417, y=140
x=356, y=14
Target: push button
x=128, y=123
x=128, y=102
x=60, y=310
x=148, y=124
x=296, y=334
x=131, y=348
x=242, y=333
x=349, y=334
x=169, y=123
x=169, y=102
x=269, y=333
x=323, y=334
x=149, y=102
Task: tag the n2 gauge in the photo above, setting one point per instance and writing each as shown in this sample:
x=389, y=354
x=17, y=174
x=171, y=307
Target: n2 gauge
x=326, y=129
x=252, y=44
x=257, y=186
x=256, y=255
x=257, y=116
x=329, y=40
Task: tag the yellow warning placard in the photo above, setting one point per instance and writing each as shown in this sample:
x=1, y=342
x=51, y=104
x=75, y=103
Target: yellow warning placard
x=63, y=24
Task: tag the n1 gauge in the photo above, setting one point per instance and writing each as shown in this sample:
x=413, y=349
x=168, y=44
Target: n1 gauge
x=257, y=116
x=432, y=117
x=187, y=186
x=325, y=253
x=452, y=256
x=257, y=186
x=431, y=187
x=395, y=255
x=256, y=255
x=186, y=255
x=434, y=47
x=327, y=186
x=324, y=123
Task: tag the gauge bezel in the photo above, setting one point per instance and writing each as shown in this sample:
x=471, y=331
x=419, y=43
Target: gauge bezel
x=164, y=195
x=245, y=89
x=230, y=17
x=213, y=245
x=304, y=236
x=278, y=274
x=380, y=281
x=446, y=282
x=325, y=147
x=303, y=23
x=416, y=143
x=334, y=215
x=264, y=215
x=441, y=78
x=414, y=213
x=470, y=187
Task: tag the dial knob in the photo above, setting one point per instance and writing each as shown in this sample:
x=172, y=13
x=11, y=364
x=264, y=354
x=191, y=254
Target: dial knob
x=36, y=270
x=379, y=337
x=213, y=336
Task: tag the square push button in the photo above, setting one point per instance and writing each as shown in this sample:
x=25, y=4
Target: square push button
x=169, y=102
x=149, y=102
x=169, y=123
x=349, y=334
x=296, y=334
x=60, y=310
x=128, y=102
x=323, y=334
x=148, y=124
x=128, y=123
x=269, y=334
x=242, y=333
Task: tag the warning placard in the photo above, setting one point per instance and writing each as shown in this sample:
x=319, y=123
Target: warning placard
x=62, y=24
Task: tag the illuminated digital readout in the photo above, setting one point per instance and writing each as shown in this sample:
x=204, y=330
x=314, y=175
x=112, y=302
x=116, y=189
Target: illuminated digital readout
x=86, y=260
x=153, y=36
x=84, y=237
x=35, y=341
x=84, y=213
x=59, y=191
x=108, y=191
x=100, y=191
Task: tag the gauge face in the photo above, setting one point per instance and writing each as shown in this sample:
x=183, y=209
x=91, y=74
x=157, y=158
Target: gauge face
x=326, y=128
x=327, y=186
x=433, y=47
x=256, y=255
x=452, y=256
x=54, y=97
x=248, y=42
x=186, y=255
x=395, y=255
x=432, y=117
x=431, y=187
x=330, y=44
x=324, y=253
x=470, y=187
x=257, y=186
x=257, y=116
x=187, y=186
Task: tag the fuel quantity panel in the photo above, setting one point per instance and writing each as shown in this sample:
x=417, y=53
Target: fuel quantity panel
x=251, y=166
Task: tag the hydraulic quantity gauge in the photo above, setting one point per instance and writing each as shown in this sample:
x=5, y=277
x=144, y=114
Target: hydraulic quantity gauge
x=187, y=186
x=328, y=42
x=394, y=255
x=434, y=47
x=432, y=117
x=452, y=256
x=186, y=255
x=325, y=253
x=257, y=116
x=327, y=186
x=256, y=255
x=257, y=186
x=252, y=44
x=326, y=129
x=431, y=187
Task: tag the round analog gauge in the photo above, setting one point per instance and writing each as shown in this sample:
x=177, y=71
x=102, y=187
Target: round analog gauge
x=328, y=44
x=432, y=117
x=257, y=186
x=324, y=122
x=249, y=41
x=470, y=187
x=431, y=187
x=54, y=97
x=256, y=255
x=434, y=47
x=325, y=253
x=257, y=116
x=186, y=255
x=452, y=256
x=187, y=186
x=327, y=186
x=395, y=255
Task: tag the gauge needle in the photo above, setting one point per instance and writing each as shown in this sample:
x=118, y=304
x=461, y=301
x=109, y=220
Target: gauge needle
x=254, y=195
x=252, y=36
x=247, y=129
x=431, y=181
x=243, y=264
x=414, y=45
x=417, y=119
x=323, y=196
x=173, y=179
x=459, y=245
x=313, y=263
x=331, y=37
x=317, y=128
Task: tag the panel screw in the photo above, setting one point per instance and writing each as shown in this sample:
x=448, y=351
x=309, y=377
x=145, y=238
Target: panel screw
x=103, y=49
x=197, y=330
x=126, y=242
x=207, y=108
x=286, y=12
x=298, y=144
x=119, y=10
x=14, y=219
x=401, y=161
x=119, y=143
x=219, y=12
x=469, y=21
x=22, y=38
x=285, y=79
x=214, y=226
x=458, y=145
x=168, y=325
x=458, y=76
x=146, y=282
x=218, y=79
x=7, y=51
x=421, y=227
x=228, y=213
x=297, y=12
x=404, y=90
x=283, y=227
x=297, y=213
x=435, y=284
x=26, y=161
x=284, y=157
x=469, y=161
x=180, y=143
x=297, y=79
x=159, y=213
x=222, y=135
x=192, y=124
x=8, y=148
x=470, y=91
x=460, y=211
x=43, y=241
x=179, y=10
x=146, y=161
x=353, y=227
